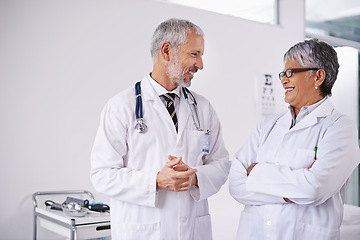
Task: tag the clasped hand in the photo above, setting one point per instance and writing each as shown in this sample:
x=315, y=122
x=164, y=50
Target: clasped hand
x=176, y=176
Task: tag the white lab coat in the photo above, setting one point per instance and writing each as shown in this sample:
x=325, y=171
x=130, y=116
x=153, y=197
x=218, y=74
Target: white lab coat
x=283, y=156
x=124, y=165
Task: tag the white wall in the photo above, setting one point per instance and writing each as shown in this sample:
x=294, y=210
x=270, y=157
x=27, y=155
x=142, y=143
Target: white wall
x=345, y=98
x=61, y=60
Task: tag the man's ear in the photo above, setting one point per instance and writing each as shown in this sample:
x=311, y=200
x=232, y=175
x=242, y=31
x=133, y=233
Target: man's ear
x=166, y=51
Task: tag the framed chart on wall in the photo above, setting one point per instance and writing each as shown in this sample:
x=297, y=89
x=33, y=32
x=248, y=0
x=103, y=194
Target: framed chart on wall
x=269, y=95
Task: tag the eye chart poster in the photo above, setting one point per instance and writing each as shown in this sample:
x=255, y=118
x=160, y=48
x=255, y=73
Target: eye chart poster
x=269, y=94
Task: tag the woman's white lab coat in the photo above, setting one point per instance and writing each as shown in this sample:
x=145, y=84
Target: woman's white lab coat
x=124, y=165
x=283, y=156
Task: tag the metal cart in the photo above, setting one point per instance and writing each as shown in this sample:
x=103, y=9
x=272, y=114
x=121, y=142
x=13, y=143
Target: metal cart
x=93, y=225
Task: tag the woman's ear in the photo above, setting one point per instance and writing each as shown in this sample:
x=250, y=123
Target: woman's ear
x=319, y=77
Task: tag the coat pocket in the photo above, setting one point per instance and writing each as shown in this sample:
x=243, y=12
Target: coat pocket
x=303, y=159
x=307, y=231
x=192, y=144
x=133, y=231
x=202, y=228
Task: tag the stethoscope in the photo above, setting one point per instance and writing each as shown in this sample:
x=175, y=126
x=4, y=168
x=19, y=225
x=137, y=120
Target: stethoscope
x=140, y=124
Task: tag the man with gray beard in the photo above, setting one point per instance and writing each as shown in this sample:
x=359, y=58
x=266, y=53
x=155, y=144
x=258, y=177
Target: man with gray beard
x=160, y=163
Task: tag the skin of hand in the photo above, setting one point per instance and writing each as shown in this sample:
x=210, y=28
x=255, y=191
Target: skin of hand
x=250, y=168
x=176, y=176
x=181, y=166
x=311, y=165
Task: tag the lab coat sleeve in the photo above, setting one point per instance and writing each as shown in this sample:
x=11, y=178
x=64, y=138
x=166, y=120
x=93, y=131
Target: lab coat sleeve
x=108, y=172
x=215, y=169
x=244, y=157
x=338, y=156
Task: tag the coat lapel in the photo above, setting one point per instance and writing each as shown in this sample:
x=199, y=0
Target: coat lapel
x=184, y=113
x=323, y=110
x=152, y=100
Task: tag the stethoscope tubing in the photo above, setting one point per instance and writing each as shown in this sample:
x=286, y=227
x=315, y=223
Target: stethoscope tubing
x=186, y=91
x=141, y=126
x=138, y=108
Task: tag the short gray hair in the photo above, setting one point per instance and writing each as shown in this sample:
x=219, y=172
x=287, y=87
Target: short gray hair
x=173, y=31
x=316, y=54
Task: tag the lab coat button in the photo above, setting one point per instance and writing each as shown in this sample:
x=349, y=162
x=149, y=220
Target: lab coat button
x=183, y=219
x=268, y=223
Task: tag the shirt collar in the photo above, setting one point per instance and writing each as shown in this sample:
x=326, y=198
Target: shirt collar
x=160, y=90
x=304, y=111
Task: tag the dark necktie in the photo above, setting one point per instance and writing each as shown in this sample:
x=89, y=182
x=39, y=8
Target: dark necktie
x=169, y=98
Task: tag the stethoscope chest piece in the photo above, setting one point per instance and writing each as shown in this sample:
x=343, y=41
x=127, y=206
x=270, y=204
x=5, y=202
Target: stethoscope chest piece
x=140, y=125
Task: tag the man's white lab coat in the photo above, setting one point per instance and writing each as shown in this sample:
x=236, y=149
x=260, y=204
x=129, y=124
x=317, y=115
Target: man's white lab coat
x=125, y=164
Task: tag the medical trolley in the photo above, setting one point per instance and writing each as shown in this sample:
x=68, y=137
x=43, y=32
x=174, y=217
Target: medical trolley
x=92, y=225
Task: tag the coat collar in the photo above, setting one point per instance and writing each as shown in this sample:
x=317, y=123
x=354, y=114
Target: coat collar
x=151, y=90
x=323, y=110
x=149, y=94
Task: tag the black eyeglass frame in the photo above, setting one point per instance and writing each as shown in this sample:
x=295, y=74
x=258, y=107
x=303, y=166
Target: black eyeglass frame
x=289, y=72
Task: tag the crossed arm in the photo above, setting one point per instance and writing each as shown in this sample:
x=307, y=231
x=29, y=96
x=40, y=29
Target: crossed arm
x=258, y=183
x=250, y=168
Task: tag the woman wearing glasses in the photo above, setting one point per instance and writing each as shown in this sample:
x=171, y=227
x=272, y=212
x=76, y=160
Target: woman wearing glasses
x=292, y=172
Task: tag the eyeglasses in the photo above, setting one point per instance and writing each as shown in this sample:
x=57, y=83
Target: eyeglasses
x=289, y=72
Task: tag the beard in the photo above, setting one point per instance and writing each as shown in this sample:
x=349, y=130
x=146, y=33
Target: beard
x=176, y=73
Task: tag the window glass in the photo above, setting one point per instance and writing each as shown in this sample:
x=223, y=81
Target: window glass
x=264, y=11
x=335, y=19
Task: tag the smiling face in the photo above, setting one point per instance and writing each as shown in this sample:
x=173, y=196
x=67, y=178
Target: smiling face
x=300, y=88
x=186, y=61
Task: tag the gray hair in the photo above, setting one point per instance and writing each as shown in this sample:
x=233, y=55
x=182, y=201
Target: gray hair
x=173, y=31
x=316, y=54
